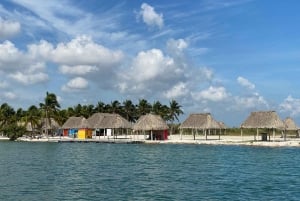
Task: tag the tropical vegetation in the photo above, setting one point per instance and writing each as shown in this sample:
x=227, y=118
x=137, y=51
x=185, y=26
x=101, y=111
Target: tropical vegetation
x=14, y=123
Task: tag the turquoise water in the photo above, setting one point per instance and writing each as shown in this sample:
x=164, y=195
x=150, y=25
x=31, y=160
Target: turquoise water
x=90, y=171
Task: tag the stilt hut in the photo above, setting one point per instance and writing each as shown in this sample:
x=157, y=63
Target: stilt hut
x=153, y=125
x=263, y=120
x=78, y=127
x=200, y=121
x=104, y=123
x=291, y=126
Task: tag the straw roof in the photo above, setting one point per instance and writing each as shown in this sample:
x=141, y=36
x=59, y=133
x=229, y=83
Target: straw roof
x=46, y=124
x=200, y=121
x=290, y=124
x=76, y=122
x=106, y=120
x=150, y=122
x=263, y=119
x=222, y=125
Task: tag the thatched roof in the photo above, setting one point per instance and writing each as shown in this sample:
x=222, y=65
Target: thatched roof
x=200, y=121
x=46, y=124
x=106, y=120
x=263, y=119
x=222, y=125
x=76, y=122
x=150, y=122
x=290, y=124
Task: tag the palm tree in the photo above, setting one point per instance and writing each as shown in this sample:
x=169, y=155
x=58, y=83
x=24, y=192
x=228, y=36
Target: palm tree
x=129, y=110
x=174, y=112
x=100, y=107
x=50, y=106
x=7, y=114
x=143, y=107
x=33, y=116
x=115, y=107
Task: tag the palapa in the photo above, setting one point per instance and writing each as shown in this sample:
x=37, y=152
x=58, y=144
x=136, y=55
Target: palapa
x=290, y=124
x=77, y=123
x=106, y=120
x=150, y=122
x=200, y=121
x=263, y=119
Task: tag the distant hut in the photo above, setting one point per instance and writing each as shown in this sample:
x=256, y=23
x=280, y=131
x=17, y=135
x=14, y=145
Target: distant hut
x=263, y=120
x=154, y=125
x=290, y=125
x=77, y=127
x=49, y=126
x=222, y=127
x=107, y=124
x=200, y=121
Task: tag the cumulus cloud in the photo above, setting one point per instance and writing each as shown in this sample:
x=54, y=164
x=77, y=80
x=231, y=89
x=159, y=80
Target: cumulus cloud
x=245, y=83
x=8, y=28
x=77, y=70
x=178, y=90
x=84, y=51
x=290, y=105
x=211, y=94
x=150, y=16
x=150, y=70
x=253, y=101
x=10, y=57
x=75, y=84
x=29, y=78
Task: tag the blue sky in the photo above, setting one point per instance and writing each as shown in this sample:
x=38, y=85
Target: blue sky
x=227, y=57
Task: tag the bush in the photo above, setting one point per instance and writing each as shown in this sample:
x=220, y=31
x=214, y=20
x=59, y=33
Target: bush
x=13, y=131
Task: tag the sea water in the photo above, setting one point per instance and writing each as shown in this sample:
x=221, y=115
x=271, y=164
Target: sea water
x=92, y=171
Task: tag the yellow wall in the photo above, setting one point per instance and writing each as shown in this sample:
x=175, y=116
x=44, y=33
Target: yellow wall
x=84, y=133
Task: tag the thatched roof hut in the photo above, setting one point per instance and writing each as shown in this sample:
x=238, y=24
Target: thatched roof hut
x=52, y=124
x=290, y=124
x=106, y=120
x=200, y=121
x=150, y=122
x=77, y=123
x=263, y=119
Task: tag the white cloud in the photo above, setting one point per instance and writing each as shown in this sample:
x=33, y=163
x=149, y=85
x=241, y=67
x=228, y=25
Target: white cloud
x=178, y=90
x=77, y=70
x=75, y=84
x=82, y=50
x=150, y=17
x=254, y=101
x=150, y=72
x=10, y=57
x=245, y=83
x=8, y=28
x=290, y=105
x=29, y=78
x=10, y=95
x=212, y=94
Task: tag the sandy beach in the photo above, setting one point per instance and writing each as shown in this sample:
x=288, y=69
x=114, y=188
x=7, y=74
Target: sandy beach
x=177, y=139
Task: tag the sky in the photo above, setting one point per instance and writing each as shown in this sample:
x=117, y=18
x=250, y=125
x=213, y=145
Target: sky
x=226, y=57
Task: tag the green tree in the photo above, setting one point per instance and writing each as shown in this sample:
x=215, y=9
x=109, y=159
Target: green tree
x=174, y=112
x=33, y=117
x=50, y=106
x=129, y=110
x=143, y=107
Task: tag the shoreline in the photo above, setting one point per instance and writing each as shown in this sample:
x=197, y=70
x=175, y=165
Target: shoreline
x=176, y=139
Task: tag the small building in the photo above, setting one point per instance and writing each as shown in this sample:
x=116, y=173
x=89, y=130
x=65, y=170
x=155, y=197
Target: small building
x=152, y=125
x=107, y=124
x=200, y=121
x=291, y=127
x=263, y=120
x=77, y=127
